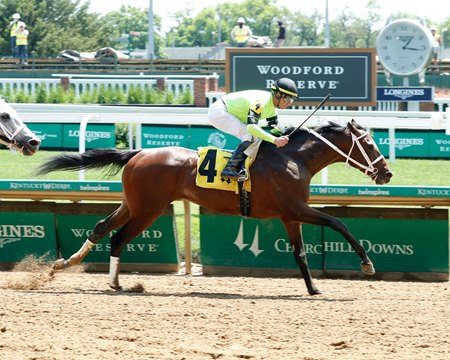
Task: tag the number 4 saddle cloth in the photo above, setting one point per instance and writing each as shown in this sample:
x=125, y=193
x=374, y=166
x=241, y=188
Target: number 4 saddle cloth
x=211, y=163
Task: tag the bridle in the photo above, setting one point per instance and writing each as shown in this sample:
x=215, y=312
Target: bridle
x=369, y=169
x=8, y=136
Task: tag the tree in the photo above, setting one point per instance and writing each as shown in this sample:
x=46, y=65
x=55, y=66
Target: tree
x=55, y=25
x=132, y=21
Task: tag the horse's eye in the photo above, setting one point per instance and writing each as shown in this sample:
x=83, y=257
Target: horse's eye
x=5, y=116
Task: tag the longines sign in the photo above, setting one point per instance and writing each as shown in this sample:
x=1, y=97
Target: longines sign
x=349, y=75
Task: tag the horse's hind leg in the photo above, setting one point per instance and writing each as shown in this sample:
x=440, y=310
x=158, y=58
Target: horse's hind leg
x=294, y=231
x=101, y=229
x=122, y=237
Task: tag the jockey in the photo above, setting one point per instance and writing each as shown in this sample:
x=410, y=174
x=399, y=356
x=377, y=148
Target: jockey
x=238, y=114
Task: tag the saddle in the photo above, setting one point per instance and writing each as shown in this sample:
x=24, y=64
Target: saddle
x=210, y=164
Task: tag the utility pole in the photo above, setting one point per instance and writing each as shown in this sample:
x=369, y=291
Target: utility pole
x=151, y=41
x=327, y=27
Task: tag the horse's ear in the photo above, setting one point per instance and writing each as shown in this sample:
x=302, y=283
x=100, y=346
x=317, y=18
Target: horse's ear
x=351, y=125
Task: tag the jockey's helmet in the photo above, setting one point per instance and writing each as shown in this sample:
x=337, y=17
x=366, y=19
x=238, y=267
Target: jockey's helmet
x=241, y=20
x=285, y=86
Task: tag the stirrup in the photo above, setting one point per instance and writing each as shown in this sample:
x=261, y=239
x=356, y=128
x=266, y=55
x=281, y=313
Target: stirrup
x=243, y=175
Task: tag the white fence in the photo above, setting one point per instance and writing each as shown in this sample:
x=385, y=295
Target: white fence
x=81, y=85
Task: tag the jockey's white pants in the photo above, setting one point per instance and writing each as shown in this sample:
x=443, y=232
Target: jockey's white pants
x=221, y=119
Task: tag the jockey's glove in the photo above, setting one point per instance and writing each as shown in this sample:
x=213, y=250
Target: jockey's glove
x=285, y=131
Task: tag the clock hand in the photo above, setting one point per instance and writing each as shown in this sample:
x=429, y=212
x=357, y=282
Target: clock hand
x=406, y=42
x=410, y=48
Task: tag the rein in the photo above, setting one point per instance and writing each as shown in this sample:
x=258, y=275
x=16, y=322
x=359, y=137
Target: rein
x=355, y=140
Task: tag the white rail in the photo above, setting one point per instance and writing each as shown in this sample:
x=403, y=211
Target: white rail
x=30, y=86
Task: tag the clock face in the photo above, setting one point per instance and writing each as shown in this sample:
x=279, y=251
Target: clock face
x=404, y=47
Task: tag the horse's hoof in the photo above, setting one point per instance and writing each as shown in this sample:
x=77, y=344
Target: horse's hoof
x=59, y=264
x=116, y=287
x=368, y=268
x=314, y=292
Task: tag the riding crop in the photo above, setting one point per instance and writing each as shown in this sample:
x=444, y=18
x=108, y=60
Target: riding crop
x=317, y=108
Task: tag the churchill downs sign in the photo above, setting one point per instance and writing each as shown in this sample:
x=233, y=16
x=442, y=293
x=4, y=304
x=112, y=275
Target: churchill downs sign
x=349, y=75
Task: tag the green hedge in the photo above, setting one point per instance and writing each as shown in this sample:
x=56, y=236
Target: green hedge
x=104, y=95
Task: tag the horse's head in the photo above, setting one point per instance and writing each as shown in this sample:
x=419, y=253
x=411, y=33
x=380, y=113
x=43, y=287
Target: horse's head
x=14, y=133
x=365, y=156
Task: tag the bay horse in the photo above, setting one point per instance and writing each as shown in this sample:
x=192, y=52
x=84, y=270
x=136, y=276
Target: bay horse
x=14, y=133
x=153, y=178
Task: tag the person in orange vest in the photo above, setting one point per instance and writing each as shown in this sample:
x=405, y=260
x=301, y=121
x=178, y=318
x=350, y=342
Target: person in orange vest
x=12, y=32
x=241, y=33
x=22, y=43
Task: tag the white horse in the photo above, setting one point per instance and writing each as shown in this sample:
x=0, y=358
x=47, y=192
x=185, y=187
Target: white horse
x=14, y=133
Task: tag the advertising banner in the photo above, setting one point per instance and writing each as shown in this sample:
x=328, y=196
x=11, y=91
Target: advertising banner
x=407, y=143
x=191, y=137
x=393, y=245
x=238, y=242
x=159, y=136
x=397, y=93
x=415, y=144
x=50, y=134
x=206, y=135
x=439, y=145
x=396, y=240
x=156, y=244
x=97, y=136
x=349, y=75
x=23, y=234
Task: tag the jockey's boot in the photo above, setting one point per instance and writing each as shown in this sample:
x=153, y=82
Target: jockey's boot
x=231, y=169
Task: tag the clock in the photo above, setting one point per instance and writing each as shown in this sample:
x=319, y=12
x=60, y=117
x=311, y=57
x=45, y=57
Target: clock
x=405, y=47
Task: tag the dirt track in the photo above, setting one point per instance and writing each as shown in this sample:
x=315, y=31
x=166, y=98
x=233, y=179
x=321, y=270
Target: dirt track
x=75, y=316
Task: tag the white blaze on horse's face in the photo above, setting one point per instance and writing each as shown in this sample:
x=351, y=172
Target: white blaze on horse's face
x=14, y=133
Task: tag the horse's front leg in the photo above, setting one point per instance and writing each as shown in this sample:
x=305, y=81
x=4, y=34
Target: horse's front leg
x=316, y=217
x=294, y=231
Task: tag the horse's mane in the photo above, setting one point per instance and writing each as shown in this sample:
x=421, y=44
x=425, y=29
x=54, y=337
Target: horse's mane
x=330, y=127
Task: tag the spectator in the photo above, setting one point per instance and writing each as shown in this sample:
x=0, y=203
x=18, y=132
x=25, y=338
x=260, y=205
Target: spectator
x=281, y=34
x=12, y=31
x=22, y=42
x=436, y=42
x=241, y=33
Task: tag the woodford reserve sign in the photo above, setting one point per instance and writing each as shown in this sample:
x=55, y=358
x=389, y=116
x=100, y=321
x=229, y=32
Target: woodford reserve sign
x=349, y=75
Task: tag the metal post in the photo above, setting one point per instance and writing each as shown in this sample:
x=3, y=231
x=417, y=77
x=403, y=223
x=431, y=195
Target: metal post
x=391, y=145
x=220, y=26
x=151, y=41
x=187, y=237
x=327, y=27
x=324, y=177
x=82, y=141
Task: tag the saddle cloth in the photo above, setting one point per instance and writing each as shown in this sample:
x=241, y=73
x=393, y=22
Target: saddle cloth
x=212, y=161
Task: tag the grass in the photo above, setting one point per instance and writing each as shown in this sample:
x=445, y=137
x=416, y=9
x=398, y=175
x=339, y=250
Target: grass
x=407, y=172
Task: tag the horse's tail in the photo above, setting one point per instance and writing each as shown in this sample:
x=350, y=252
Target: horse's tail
x=111, y=159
